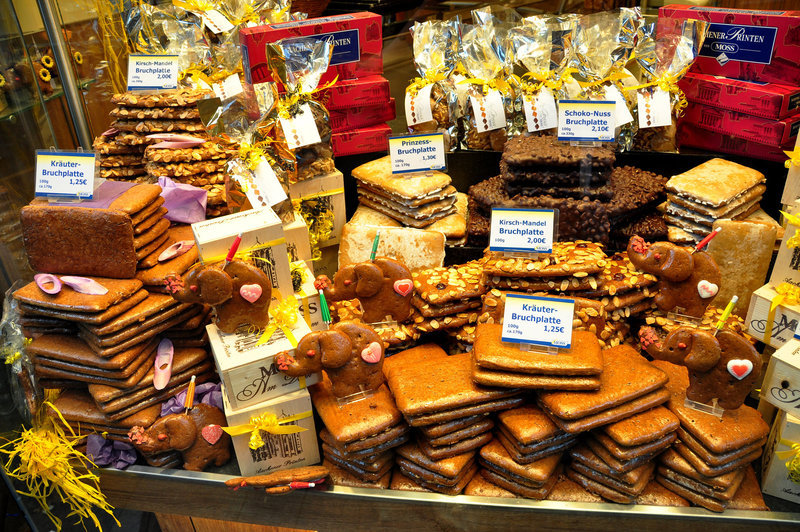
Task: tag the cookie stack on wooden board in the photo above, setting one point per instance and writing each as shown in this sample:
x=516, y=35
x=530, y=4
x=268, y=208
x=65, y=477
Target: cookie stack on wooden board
x=120, y=156
x=164, y=112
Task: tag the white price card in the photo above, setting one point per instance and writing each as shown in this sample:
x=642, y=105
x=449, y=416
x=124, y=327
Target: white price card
x=540, y=111
x=417, y=153
x=228, y=88
x=586, y=120
x=216, y=21
x=64, y=174
x=624, y=115
x=523, y=230
x=544, y=321
x=262, y=187
x=418, y=107
x=301, y=129
x=654, y=108
x=152, y=72
x=488, y=111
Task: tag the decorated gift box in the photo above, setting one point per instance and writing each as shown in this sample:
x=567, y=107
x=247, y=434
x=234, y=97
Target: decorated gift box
x=739, y=125
x=744, y=43
x=308, y=296
x=245, y=358
x=787, y=264
x=696, y=137
x=781, y=385
x=349, y=93
x=357, y=39
x=768, y=100
x=320, y=201
x=364, y=116
x=273, y=435
x=363, y=140
x=774, y=314
x=297, y=243
x=780, y=472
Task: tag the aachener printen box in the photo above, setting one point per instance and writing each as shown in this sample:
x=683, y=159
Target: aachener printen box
x=363, y=140
x=756, y=98
x=349, y=93
x=754, y=128
x=357, y=40
x=695, y=137
x=364, y=116
x=746, y=44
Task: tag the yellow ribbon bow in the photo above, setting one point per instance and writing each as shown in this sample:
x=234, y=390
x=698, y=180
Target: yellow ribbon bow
x=794, y=158
x=289, y=103
x=668, y=83
x=613, y=77
x=786, y=293
x=267, y=422
x=497, y=84
x=794, y=240
x=428, y=78
x=283, y=316
x=792, y=457
x=199, y=6
x=253, y=154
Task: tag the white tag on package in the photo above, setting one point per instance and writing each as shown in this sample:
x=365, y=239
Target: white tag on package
x=216, y=21
x=267, y=188
x=232, y=86
x=624, y=115
x=488, y=111
x=654, y=108
x=301, y=129
x=418, y=108
x=540, y=111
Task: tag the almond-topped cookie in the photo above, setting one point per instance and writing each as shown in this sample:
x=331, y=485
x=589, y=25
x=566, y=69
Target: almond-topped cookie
x=439, y=286
x=134, y=159
x=186, y=168
x=159, y=126
x=619, y=275
x=576, y=259
x=172, y=98
x=209, y=150
x=155, y=113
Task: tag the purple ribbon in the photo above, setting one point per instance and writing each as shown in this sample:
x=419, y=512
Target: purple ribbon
x=209, y=393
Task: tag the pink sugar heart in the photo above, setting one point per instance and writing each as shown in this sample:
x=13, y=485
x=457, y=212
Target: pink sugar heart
x=250, y=292
x=211, y=433
x=162, y=370
x=403, y=286
x=372, y=353
x=740, y=368
x=707, y=289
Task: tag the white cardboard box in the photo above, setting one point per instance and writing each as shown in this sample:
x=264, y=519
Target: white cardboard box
x=322, y=186
x=297, y=243
x=247, y=370
x=787, y=263
x=775, y=479
x=308, y=298
x=259, y=228
x=783, y=324
x=781, y=386
x=280, y=451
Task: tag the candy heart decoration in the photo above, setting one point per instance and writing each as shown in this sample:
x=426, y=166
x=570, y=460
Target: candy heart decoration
x=707, y=289
x=372, y=353
x=403, y=286
x=162, y=370
x=740, y=368
x=250, y=292
x=211, y=433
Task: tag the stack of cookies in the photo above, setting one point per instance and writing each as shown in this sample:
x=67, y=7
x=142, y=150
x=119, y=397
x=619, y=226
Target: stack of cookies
x=447, y=475
x=534, y=480
x=447, y=298
x=596, y=476
x=165, y=112
x=713, y=190
x=359, y=438
x=416, y=200
x=153, y=272
x=120, y=156
x=528, y=435
x=713, y=455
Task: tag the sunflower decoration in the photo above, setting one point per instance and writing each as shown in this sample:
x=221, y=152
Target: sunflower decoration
x=2, y=81
x=44, y=75
x=78, y=58
x=47, y=62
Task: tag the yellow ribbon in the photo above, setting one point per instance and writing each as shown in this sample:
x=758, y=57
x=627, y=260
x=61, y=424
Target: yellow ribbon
x=288, y=103
x=200, y=6
x=428, y=78
x=786, y=294
x=283, y=316
x=320, y=224
x=267, y=422
x=497, y=84
x=794, y=158
x=611, y=78
x=792, y=457
x=252, y=154
x=794, y=240
x=668, y=83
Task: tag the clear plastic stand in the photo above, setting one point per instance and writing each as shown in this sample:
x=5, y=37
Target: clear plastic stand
x=585, y=143
x=390, y=324
x=533, y=348
x=354, y=398
x=714, y=409
x=676, y=316
x=524, y=255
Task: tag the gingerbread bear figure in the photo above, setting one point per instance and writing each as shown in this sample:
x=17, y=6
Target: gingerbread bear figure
x=722, y=367
x=687, y=282
x=350, y=352
x=240, y=293
x=198, y=435
x=383, y=287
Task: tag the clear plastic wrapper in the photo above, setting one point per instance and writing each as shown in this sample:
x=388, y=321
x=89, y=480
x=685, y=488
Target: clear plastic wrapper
x=663, y=60
x=431, y=100
x=23, y=391
x=531, y=45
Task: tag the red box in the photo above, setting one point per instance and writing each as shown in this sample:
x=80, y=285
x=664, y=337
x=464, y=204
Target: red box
x=357, y=38
x=768, y=100
x=365, y=140
x=355, y=93
x=757, y=129
x=744, y=43
x=695, y=137
x=361, y=117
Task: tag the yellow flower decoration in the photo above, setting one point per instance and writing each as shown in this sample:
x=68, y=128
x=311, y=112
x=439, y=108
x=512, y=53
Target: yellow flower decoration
x=2, y=81
x=44, y=74
x=78, y=58
x=47, y=61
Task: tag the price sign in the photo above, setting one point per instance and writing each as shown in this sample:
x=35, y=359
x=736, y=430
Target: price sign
x=544, y=321
x=417, y=153
x=523, y=230
x=586, y=120
x=152, y=72
x=64, y=174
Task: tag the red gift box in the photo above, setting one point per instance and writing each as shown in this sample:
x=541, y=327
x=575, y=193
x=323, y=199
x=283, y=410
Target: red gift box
x=768, y=100
x=349, y=93
x=695, y=137
x=360, y=117
x=754, y=128
x=743, y=43
x=357, y=39
x=364, y=140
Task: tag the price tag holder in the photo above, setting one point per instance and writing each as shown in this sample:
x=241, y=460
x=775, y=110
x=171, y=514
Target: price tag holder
x=545, y=322
x=417, y=153
x=152, y=72
x=586, y=120
x=61, y=174
x=530, y=231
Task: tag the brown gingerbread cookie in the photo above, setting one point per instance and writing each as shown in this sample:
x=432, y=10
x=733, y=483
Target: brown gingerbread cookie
x=240, y=293
x=383, y=287
x=350, y=352
x=687, y=282
x=198, y=435
x=724, y=367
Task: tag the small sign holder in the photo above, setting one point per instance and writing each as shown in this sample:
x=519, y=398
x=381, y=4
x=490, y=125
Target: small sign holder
x=586, y=122
x=538, y=324
x=714, y=409
x=150, y=74
x=362, y=395
x=523, y=233
x=419, y=154
x=65, y=176
x=677, y=315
